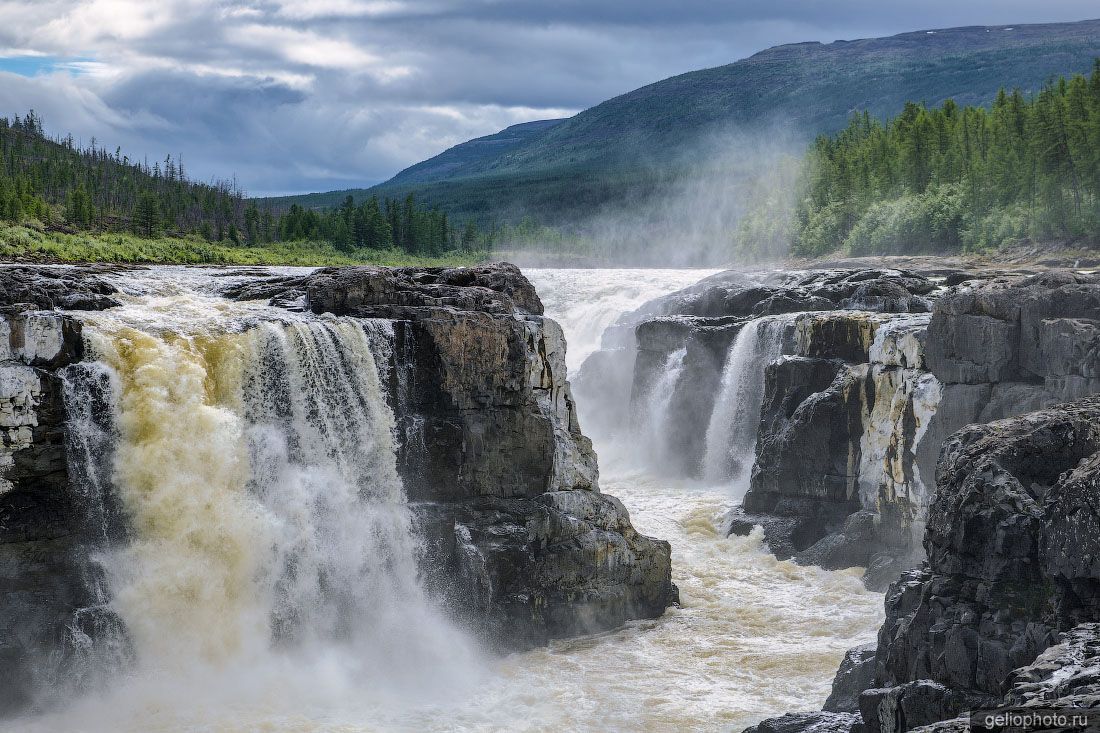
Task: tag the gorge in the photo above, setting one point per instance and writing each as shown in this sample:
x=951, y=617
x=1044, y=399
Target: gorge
x=332, y=499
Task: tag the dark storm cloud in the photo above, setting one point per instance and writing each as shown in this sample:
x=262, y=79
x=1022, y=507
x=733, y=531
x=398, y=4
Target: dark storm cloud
x=294, y=95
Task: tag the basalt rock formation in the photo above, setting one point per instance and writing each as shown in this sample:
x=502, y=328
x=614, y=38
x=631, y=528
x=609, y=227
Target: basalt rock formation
x=1004, y=610
x=521, y=539
x=873, y=370
x=503, y=482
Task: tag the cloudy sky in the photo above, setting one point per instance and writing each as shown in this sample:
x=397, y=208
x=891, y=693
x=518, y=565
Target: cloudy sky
x=306, y=95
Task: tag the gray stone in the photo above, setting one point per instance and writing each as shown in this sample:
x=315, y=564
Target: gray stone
x=823, y=722
x=856, y=674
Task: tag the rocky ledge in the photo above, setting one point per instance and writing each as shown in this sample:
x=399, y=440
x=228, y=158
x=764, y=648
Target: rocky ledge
x=1005, y=609
x=490, y=449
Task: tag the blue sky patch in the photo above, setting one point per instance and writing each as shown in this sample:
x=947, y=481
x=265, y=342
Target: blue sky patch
x=36, y=65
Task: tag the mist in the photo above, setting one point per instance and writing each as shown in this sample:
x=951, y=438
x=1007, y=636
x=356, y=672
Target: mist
x=727, y=199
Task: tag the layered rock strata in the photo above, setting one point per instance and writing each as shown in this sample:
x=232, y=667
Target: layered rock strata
x=491, y=449
x=877, y=368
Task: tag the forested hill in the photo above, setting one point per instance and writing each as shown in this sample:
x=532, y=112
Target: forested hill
x=52, y=185
x=60, y=184
x=958, y=178
x=610, y=151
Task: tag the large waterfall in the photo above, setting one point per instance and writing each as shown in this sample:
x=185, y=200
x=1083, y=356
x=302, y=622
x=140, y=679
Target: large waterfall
x=269, y=536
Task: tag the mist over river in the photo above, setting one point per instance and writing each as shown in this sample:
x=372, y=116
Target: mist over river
x=753, y=637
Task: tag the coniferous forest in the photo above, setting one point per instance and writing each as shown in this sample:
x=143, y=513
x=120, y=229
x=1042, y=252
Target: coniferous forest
x=67, y=188
x=958, y=178
x=951, y=178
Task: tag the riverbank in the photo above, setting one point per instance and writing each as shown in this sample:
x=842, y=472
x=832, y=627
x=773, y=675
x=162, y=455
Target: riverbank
x=31, y=245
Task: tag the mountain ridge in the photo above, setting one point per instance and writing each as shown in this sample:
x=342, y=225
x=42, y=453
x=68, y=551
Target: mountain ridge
x=604, y=153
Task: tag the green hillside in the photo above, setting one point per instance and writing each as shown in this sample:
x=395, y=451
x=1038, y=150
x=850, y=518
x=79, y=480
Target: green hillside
x=629, y=146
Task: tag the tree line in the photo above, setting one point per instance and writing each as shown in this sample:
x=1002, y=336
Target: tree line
x=957, y=178
x=68, y=187
x=61, y=184
x=373, y=224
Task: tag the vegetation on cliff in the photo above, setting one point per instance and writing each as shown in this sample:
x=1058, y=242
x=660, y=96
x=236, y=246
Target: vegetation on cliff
x=958, y=178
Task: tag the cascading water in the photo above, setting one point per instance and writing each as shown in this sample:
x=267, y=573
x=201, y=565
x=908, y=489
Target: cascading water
x=254, y=461
x=652, y=423
x=734, y=423
x=268, y=582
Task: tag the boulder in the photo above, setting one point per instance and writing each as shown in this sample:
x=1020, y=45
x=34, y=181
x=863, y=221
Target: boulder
x=823, y=722
x=856, y=674
x=28, y=287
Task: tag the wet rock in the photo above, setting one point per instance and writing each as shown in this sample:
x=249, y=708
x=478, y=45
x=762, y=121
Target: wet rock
x=791, y=302
x=823, y=722
x=497, y=288
x=47, y=288
x=1010, y=546
x=43, y=563
x=490, y=447
x=911, y=705
x=523, y=572
x=856, y=674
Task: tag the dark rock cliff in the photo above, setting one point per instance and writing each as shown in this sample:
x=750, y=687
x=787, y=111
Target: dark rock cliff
x=1012, y=540
x=48, y=585
x=877, y=368
x=886, y=436
x=490, y=448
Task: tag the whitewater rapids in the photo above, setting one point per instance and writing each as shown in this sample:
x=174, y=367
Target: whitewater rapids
x=754, y=637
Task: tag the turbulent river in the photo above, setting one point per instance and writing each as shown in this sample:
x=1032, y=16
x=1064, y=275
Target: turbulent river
x=754, y=636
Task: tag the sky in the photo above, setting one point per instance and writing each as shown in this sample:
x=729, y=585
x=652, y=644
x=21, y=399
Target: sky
x=291, y=96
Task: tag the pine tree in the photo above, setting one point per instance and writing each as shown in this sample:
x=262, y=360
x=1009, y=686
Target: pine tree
x=146, y=218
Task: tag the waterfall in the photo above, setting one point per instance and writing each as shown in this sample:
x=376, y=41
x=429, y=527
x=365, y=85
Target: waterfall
x=654, y=427
x=255, y=465
x=734, y=422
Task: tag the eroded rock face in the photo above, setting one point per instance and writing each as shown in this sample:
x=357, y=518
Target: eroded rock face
x=856, y=674
x=491, y=450
x=854, y=417
x=1011, y=540
x=839, y=454
x=1004, y=574
x=49, y=585
x=1003, y=611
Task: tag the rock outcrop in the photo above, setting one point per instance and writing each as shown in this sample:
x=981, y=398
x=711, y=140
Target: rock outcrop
x=1004, y=610
x=843, y=463
x=49, y=585
x=490, y=448
x=877, y=367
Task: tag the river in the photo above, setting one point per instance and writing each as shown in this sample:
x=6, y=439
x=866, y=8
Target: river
x=753, y=636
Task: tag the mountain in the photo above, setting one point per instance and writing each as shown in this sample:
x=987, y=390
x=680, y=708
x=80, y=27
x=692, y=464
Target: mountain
x=627, y=146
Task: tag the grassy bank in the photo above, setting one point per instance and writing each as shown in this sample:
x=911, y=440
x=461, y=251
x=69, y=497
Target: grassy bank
x=30, y=244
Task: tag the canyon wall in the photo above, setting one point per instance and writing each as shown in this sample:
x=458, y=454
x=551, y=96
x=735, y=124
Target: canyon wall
x=491, y=450
x=870, y=371
x=1003, y=611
